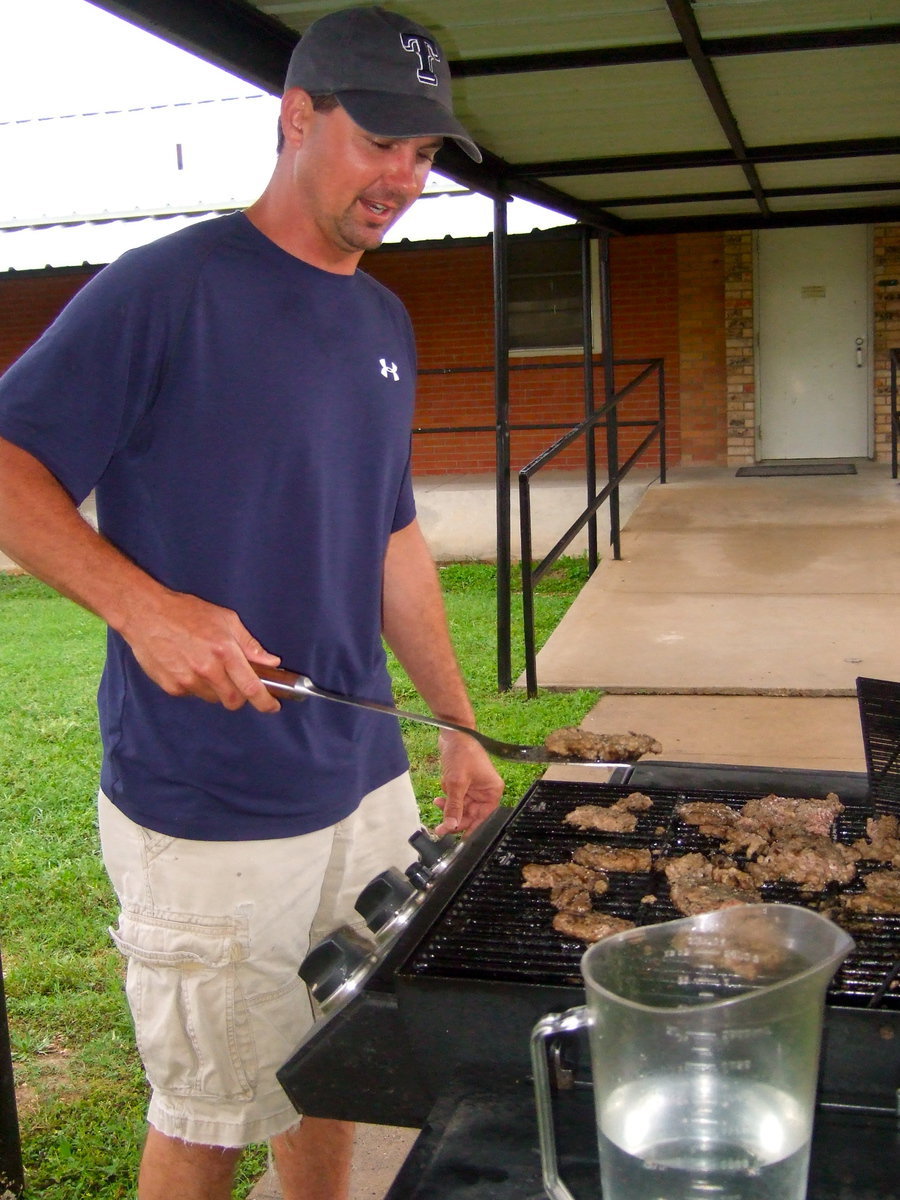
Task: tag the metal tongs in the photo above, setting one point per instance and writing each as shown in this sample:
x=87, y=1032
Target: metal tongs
x=289, y=685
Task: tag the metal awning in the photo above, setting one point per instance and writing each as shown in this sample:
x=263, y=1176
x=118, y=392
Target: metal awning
x=634, y=116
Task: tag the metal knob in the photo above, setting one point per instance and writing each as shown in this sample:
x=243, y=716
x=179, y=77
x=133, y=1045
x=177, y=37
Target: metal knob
x=419, y=874
x=431, y=849
x=381, y=900
x=336, y=966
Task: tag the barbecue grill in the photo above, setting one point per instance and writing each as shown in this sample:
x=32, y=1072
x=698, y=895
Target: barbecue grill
x=429, y=1025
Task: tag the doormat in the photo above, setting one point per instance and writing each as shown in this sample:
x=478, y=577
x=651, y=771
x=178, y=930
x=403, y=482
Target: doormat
x=774, y=469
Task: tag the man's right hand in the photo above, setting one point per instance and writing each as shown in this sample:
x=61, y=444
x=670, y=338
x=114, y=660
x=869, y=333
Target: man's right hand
x=193, y=648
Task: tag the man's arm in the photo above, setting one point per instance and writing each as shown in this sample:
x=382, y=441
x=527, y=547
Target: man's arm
x=187, y=646
x=415, y=627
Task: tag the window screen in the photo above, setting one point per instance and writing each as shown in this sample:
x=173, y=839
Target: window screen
x=544, y=295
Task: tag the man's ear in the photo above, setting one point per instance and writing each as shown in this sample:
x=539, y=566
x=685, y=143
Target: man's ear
x=296, y=107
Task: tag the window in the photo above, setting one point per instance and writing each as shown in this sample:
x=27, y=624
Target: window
x=545, y=295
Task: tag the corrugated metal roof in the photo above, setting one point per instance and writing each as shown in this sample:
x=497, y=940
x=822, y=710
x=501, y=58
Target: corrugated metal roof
x=83, y=188
x=94, y=243
x=581, y=103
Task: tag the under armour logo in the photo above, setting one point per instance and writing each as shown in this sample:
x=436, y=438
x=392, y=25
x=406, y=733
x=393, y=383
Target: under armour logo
x=415, y=44
x=389, y=370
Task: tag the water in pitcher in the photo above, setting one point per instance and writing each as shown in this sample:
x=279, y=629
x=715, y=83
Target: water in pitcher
x=697, y=1136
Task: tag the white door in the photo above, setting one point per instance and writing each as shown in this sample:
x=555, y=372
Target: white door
x=813, y=355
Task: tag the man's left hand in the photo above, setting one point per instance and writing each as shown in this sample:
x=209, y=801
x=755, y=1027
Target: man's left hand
x=472, y=787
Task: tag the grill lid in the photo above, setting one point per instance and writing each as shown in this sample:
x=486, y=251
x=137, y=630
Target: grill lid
x=879, y=714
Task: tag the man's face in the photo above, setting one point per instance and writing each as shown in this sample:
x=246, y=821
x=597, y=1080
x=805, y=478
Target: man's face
x=353, y=185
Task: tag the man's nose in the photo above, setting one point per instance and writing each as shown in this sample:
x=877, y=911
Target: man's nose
x=407, y=171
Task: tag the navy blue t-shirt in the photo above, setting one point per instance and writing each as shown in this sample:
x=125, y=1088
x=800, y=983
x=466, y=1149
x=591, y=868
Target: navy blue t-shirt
x=245, y=419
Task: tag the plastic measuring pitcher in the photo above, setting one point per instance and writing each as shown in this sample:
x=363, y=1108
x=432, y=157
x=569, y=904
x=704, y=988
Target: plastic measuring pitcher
x=704, y=1037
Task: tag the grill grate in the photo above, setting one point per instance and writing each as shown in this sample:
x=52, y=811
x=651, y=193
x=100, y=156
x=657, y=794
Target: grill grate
x=879, y=714
x=494, y=930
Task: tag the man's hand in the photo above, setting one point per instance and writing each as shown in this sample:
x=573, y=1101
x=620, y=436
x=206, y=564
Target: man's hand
x=192, y=648
x=472, y=788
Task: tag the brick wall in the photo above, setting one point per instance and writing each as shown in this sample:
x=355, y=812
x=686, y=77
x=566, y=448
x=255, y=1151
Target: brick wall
x=886, y=264
x=667, y=302
x=450, y=298
x=701, y=348
x=688, y=299
x=740, y=367
x=29, y=302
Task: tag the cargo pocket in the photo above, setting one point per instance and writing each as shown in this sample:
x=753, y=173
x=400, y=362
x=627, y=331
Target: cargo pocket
x=189, y=1011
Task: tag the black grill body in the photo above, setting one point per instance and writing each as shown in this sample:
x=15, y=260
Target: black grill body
x=459, y=991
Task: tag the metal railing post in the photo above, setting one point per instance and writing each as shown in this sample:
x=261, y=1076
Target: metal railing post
x=661, y=386
x=609, y=389
x=590, y=441
x=501, y=410
x=528, y=631
x=895, y=415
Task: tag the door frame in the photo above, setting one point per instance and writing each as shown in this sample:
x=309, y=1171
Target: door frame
x=870, y=336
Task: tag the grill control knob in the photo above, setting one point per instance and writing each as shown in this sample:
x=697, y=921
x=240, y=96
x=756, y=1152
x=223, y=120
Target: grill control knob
x=419, y=874
x=381, y=901
x=335, y=968
x=432, y=850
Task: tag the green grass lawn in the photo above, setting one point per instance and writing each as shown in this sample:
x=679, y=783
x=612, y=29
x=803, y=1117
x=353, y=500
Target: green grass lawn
x=80, y=1085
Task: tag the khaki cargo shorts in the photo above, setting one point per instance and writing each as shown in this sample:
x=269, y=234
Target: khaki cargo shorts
x=214, y=933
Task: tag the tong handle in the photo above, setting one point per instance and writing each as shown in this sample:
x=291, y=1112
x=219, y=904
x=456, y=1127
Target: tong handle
x=281, y=682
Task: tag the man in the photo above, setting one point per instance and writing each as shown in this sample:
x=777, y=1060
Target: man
x=240, y=397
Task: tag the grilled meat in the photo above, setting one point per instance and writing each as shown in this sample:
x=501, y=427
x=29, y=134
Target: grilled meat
x=780, y=813
x=613, y=858
x=572, y=742
x=751, y=829
x=589, y=927
x=575, y=898
x=714, y=820
x=881, y=895
x=698, y=884
x=551, y=875
x=812, y=861
x=882, y=843
x=751, y=951
x=612, y=818
x=571, y=885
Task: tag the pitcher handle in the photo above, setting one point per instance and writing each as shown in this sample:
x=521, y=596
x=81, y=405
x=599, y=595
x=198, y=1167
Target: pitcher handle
x=554, y=1025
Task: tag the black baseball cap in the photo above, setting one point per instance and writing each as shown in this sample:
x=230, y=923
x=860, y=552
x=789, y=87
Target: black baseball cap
x=389, y=74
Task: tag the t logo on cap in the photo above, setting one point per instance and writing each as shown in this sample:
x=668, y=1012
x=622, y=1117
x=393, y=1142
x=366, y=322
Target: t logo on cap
x=415, y=44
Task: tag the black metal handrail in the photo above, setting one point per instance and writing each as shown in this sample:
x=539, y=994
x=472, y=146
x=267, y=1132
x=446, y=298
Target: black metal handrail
x=895, y=412
x=605, y=417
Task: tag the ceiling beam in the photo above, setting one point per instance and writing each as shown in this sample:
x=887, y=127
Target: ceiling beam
x=232, y=34
x=689, y=159
x=874, y=215
x=493, y=177
x=835, y=189
x=686, y=24
x=655, y=52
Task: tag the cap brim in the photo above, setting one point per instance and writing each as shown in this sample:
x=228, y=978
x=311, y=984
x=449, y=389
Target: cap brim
x=390, y=115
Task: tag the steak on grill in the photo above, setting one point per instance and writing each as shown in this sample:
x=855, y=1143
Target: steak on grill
x=589, y=927
x=881, y=895
x=882, y=842
x=619, y=817
x=698, y=884
x=809, y=860
x=613, y=858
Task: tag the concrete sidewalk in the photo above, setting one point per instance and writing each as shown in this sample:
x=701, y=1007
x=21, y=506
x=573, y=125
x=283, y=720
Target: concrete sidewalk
x=756, y=586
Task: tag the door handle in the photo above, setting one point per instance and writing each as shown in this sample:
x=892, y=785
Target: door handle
x=859, y=352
